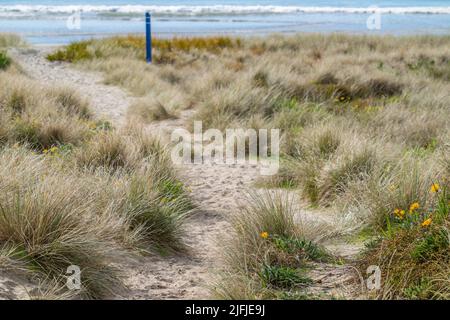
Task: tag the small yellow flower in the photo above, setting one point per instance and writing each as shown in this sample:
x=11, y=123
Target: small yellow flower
x=414, y=207
x=435, y=187
x=399, y=213
x=45, y=151
x=427, y=222
x=264, y=235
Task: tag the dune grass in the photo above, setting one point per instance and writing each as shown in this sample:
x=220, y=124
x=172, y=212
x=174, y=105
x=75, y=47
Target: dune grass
x=365, y=131
x=268, y=254
x=76, y=191
x=5, y=61
x=413, y=250
x=9, y=40
x=364, y=123
x=135, y=45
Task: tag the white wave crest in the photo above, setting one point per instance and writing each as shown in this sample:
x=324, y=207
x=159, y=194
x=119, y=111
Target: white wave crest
x=25, y=10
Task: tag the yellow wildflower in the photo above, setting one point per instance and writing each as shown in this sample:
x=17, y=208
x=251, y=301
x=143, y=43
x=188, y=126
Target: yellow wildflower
x=435, y=187
x=427, y=222
x=399, y=213
x=264, y=235
x=414, y=207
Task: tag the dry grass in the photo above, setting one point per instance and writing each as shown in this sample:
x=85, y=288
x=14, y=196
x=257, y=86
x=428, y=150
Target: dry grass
x=41, y=118
x=47, y=229
x=8, y=40
x=364, y=119
x=268, y=253
x=413, y=255
x=74, y=191
x=147, y=111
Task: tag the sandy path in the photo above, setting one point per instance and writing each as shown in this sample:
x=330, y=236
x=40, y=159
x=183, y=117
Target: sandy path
x=218, y=191
x=108, y=102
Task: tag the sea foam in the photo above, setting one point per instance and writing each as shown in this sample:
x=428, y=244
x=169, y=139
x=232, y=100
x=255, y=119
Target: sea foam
x=187, y=10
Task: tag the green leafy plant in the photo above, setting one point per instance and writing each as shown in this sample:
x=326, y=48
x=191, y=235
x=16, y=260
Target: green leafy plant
x=5, y=61
x=283, y=277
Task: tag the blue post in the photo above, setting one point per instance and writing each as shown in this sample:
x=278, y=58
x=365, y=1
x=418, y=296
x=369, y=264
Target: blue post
x=148, y=37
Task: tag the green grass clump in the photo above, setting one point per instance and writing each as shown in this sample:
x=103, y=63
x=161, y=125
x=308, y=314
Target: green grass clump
x=157, y=209
x=5, y=61
x=299, y=246
x=283, y=277
x=74, y=52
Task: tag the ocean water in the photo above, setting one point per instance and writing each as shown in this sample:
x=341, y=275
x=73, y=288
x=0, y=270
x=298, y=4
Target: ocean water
x=58, y=22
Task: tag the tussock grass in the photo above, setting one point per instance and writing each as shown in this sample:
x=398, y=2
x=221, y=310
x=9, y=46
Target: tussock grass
x=41, y=118
x=413, y=252
x=148, y=111
x=75, y=191
x=48, y=229
x=157, y=209
x=267, y=253
x=70, y=102
x=363, y=118
x=87, y=50
x=8, y=40
x=107, y=151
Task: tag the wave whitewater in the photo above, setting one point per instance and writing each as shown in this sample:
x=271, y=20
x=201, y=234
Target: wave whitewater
x=26, y=10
